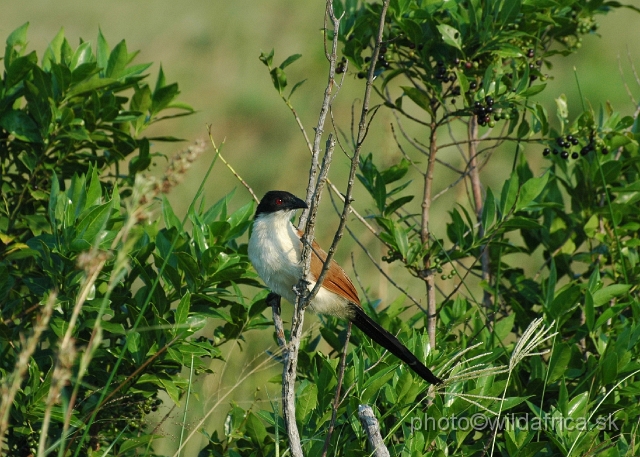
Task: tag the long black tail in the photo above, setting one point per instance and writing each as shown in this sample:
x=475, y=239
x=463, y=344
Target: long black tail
x=391, y=344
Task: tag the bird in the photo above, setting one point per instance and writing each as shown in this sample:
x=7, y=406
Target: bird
x=275, y=250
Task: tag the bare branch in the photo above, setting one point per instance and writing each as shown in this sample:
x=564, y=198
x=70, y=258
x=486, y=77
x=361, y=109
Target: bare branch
x=372, y=429
x=425, y=232
x=317, y=178
x=362, y=133
x=324, y=109
x=235, y=173
x=476, y=189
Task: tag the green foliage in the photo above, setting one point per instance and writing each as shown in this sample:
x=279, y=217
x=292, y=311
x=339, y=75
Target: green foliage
x=559, y=244
x=74, y=223
x=130, y=293
x=79, y=108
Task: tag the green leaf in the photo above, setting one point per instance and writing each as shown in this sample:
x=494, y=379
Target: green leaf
x=562, y=109
x=589, y=311
x=395, y=172
x=53, y=54
x=19, y=69
x=170, y=387
x=523, y=129
x=134, y=345
x=533, y=90
x=21, y=125
x=609, y=367
x=53, y=201
x=17, y=38
x=401, y=238
x=142, y=161
x=169, y=217
x=397, y=204
x=559, y=362
x=102, y=52
x=163, y=96
x=256, y=429
x=509, y=195
x=530, y=190
x=577, y=406
x=489, y=210
x=504, y=326
x=93, y=223
x=279, y=79
x=608, y=293
x=450, y=35
x=82, y=55
x=373, y=385
x=418, y=97
x=267, y=59
x=89, y=85
x=289, y=60
x=541, y=120
x=307, y=401
x=295, y=87
x=182, y=312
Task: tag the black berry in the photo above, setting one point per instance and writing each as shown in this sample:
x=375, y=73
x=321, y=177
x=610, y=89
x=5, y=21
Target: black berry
x=575, y=155
x=546, y=152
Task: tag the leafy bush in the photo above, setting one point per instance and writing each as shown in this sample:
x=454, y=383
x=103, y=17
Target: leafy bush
x=108, y=300
x=563, y=324
x=122, y=295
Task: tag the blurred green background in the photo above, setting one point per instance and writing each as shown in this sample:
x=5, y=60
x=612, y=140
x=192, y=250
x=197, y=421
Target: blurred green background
x=211, y=48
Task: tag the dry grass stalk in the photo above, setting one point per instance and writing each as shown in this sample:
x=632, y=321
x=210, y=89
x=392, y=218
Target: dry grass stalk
x=11, y=384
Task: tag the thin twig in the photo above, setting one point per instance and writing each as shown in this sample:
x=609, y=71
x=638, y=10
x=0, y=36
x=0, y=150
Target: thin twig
x=476, y=189
x=228, y=165
x=425, y=231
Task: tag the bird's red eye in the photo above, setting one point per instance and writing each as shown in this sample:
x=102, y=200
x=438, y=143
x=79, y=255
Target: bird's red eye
x=278, y=201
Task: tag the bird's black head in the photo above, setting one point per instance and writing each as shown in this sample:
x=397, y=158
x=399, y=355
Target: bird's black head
x=279, y=200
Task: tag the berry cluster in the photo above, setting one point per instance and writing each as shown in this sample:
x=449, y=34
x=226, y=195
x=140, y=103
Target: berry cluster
x=127, y=411
x=483, y=111
x=564, y=145
x=442, y=74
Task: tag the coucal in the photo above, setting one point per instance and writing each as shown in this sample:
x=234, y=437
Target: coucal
x=275, y=251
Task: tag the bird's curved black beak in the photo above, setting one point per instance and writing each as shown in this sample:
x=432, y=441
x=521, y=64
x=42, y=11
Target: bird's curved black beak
x=298, y=203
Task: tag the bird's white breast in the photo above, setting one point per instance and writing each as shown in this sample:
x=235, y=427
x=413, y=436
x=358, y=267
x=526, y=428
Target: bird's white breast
x=274, y=251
